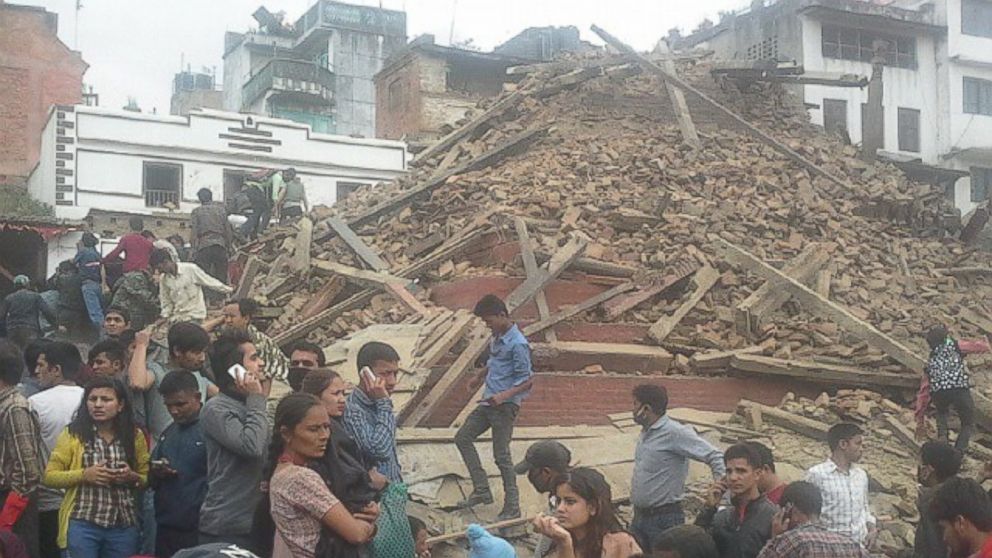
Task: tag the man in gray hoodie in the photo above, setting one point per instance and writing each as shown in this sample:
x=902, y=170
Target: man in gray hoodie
x=236, y=431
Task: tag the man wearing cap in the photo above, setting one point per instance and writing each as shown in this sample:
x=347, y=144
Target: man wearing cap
x=544, y=463
x=21, y=310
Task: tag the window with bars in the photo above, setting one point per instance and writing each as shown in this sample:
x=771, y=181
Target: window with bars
x=162, y=184
x=858, y=44
x=981, y=182
x=977, y=96
x=765, y=50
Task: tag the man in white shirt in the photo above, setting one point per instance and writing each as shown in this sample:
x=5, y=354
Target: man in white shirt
x=56, y=369
x=844, y=486
x=180, y=288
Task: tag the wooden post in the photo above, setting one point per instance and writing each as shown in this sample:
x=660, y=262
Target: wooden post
x=875, y=126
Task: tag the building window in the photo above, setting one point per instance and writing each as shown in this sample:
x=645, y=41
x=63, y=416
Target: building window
x=162, y=183
x=856, y=44
x=977, y=96
x=765, y=50
x=344, y=189
x=864, y=123
x=981, y=182
x=835, y=116
x=976, y=18
x=909, y=130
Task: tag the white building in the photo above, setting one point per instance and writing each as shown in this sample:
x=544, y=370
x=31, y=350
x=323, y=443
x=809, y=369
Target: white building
x=98, y=160
x=937, y=79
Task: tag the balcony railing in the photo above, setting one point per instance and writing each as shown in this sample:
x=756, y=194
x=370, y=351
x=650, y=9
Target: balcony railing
x=290, y=76
x=158, y=198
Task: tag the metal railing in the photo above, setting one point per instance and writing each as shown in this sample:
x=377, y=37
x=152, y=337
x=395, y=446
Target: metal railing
x=158, y=198
x=296, y=70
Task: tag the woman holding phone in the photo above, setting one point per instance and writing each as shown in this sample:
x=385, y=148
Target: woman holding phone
x=101, y=460
x=585, y=525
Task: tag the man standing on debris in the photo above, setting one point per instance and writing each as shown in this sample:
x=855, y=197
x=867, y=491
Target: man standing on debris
x=181, y=288
x=938, y=463
x=508, y=382
x=137, y=293
x=21, y=312
x=770, y=484
x=661, y=465
x=797, y=532
x=292, y=202
x=963, y=510
x=135, y=247
x=87, y=260
x=545, y=463
x=946, y=383
x=844, y=486
x=211, y=235
x=740, y=531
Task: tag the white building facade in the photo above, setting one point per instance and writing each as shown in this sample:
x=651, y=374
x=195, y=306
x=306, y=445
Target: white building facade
x=98, y=160
x=937, y=78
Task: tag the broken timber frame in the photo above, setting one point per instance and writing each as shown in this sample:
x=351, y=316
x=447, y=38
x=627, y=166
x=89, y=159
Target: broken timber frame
x=530, y=266
x=831, y=375
x=357, y=245
x=689, y=134
x=750, y=314
x=390, y=283
x=705, y=278
x=747, y=126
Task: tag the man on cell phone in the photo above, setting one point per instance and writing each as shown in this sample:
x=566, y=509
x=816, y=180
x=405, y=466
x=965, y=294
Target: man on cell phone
x=368, y=415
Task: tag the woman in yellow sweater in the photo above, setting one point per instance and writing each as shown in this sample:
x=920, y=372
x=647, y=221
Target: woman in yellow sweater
x=100, y=460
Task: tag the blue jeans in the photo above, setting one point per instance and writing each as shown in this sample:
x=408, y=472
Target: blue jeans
x=647, y=528
x=93, y=297
x=87, y=540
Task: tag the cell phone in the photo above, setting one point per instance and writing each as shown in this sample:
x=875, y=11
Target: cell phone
x=237, y=372
x=160, y=463
x=368, y=374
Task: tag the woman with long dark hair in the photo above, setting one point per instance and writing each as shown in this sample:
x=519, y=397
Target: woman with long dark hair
x=301, y=503
x=585, y=524
x=100, y=460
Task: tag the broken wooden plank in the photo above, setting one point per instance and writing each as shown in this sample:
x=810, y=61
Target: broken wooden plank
x=452, y=334
x=823, y=307
x=719, y=360
x=357, y=245
x=363, y=277
x=400, y=293
x=325, y=296
x=576, y=355
x=831, y=375
x=823, y=279
x=679, y=271
x=902, y=432
x=753, y=311
x=556, y=265
x=593, y=266
x=530, y=266
x=576, y=309
x=790, y=421
x=686, y=125
x=967, y=270
x=734, y=117
x=251, y=269
x=705, y=278
x=428, y=397
x=300, y=264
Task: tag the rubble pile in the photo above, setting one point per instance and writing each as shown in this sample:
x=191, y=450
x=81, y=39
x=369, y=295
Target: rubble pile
x=610, y=166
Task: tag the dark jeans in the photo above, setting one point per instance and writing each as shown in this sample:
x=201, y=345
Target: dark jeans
x=964, y=406
x=501, y=420
x=169, y=541
x=291, y=214
x=213, y=260
x=22, y=336
x=48, y=534
x=648, y=525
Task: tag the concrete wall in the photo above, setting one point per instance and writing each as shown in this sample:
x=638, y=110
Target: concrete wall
x=185, y=101
x=110, y=149
x=36, y=71
x=357, y=57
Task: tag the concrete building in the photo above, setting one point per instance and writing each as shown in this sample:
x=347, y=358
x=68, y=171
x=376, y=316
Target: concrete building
x=193, y=90
x=937, y=77
x=426, y=88
x=37, y=70
x=97, y=161
x=317, y=71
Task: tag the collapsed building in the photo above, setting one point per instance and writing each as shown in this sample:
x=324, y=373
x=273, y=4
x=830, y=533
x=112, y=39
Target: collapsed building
x=644, y=223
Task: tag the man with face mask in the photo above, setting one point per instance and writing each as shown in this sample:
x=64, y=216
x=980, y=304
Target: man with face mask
x=661, y=465
x=544, y=463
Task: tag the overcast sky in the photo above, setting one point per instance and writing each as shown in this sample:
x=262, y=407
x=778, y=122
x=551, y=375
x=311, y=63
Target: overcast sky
x=134, y=47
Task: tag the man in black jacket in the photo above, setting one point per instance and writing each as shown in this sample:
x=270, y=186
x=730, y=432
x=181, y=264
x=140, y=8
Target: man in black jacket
x=741, y=530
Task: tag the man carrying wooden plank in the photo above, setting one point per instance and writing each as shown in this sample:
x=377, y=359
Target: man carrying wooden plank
x=508, y=382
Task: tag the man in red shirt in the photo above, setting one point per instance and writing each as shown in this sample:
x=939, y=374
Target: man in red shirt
x=963, y=510
x=136, y=248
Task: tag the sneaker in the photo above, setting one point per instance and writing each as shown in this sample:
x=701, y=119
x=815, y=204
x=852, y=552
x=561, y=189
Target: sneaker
x=475, y=499
x=509, y=512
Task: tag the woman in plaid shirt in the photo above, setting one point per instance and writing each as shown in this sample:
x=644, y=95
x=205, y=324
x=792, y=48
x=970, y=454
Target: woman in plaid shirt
x=100, y=460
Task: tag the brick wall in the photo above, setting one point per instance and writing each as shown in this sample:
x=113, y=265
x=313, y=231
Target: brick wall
x=36, y=71
x=397, y=101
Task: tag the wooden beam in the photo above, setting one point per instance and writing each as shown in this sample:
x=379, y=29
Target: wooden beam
x=363, y=277
x=300, y=264
x=432, y=395
x=901, y=432
x=357, y=245
x=576, y=355
x=530, y=266
x=452, y=334
x=705, y=278
x=679, y=271
x=576, y=309
x=556, y=265
x=593, y=266
x=686, y=125
x=790, y=421
x=753, y=311
x=968, y=270
x=719, y=360
x=823, y=307
x=324, y=297
x=830, y=375
x=734, y=117
x=252, y=267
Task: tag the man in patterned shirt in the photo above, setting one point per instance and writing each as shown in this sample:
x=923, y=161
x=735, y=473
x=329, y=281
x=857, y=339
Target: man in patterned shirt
x=797, y=533
x=844, y=486
x=136, y=293
x=368, y=414
x=21, y=452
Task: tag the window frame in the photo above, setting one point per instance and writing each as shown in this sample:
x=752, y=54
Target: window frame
x=848, y=43
x=983, y=92
x=145, y=190
x=972, y=23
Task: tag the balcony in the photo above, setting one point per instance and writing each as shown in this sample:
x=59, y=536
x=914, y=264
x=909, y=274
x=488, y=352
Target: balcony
x=299, y=80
